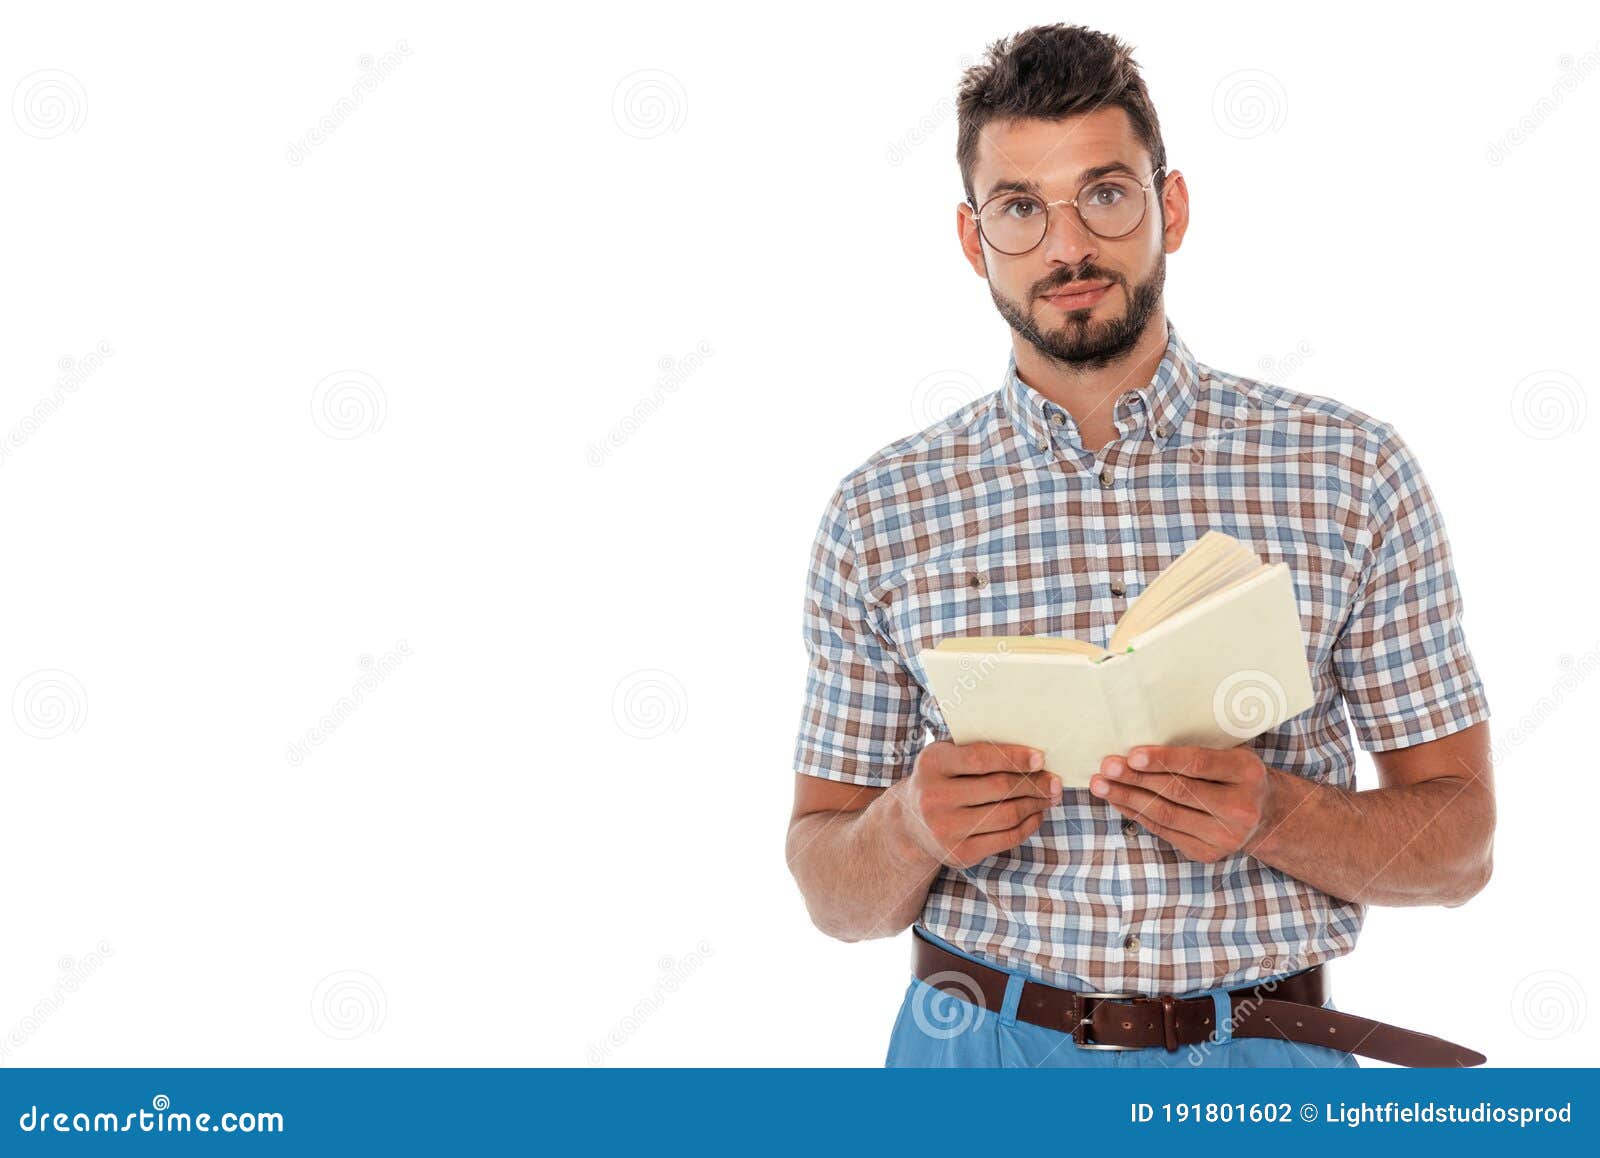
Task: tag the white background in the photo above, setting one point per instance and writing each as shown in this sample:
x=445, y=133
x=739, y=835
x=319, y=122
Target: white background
x=596, y=336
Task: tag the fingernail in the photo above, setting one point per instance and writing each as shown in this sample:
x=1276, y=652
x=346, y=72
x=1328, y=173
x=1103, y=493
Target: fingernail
x=1139, y=759
x=1115, y=767
x=1098, y=786
x=1055, y=788
x=1036, y=762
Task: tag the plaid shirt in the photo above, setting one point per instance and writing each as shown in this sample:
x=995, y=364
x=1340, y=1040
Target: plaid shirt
x=997, y=520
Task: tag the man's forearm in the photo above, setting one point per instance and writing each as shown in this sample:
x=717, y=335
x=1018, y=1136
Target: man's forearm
x=861, y=874
x=1417, y=844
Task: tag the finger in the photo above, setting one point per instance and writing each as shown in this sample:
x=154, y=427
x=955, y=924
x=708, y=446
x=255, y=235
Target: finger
x=998, y=815
x=1192, y=847
x=970, y=852
x=976, y=790
x=1140, y=803
x=1182, y=789
x=983, y=757
x=1217, y=764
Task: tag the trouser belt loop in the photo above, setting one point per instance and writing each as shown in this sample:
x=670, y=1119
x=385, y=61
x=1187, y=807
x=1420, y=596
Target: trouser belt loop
x=1222, y=1019
x=1013, y=998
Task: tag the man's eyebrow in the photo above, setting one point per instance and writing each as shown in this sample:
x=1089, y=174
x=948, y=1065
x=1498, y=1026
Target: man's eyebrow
x=1027, y=185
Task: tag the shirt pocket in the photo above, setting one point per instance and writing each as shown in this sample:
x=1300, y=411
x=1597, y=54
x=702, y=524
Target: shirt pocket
x=971, y=595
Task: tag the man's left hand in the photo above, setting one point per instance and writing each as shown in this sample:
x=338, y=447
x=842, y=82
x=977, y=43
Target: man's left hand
x=1208, y=803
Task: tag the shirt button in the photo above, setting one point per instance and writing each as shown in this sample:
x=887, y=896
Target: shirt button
x=1043, y=446
x=1107, y=478
x=1162, y=431
x=1130, y=829
x=1131, y=943
x=1057, y=419
x=980, y=581
x=1118, y=587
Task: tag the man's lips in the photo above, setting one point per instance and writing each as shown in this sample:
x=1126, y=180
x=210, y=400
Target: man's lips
x=1078, y=296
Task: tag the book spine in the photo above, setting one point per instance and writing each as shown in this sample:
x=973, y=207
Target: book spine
x=1127, y=703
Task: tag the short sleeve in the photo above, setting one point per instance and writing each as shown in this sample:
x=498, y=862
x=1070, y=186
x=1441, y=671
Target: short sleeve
x=861, y=721
x=1402, y=660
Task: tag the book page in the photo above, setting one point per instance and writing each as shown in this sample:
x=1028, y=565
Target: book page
x=1021, y=644
x=1225, y=671
x=1216, y=563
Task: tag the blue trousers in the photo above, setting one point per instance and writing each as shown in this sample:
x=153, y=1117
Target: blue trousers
x=940, y=1029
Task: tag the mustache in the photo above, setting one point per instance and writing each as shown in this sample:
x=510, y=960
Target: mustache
x=1058, y=281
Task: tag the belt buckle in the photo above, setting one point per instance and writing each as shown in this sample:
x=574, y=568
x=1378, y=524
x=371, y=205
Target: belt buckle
x=1085, y=1023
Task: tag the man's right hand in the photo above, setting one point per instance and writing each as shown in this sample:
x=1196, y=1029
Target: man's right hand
x=965, y=802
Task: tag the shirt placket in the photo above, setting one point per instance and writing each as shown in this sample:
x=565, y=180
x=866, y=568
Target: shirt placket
x=1115, y=478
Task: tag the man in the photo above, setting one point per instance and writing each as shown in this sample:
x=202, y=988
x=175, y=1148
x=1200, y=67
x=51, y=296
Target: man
x=1179, y=912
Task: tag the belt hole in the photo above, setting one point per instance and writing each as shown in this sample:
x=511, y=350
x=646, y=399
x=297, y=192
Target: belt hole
x=1127, y=1025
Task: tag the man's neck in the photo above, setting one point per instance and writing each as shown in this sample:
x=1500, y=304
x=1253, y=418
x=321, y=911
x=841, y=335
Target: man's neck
x=1090, y=395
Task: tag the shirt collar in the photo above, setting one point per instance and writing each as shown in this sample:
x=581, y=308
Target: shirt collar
x=1166, y=398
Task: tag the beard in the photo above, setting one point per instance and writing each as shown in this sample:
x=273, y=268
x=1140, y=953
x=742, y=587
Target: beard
x=1080, y=341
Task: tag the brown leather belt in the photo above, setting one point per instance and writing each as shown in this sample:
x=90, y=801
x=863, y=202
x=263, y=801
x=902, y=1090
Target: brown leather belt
x=1289, y=1009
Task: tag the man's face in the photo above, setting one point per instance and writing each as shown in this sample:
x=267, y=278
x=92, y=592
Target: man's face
x=1078, y=298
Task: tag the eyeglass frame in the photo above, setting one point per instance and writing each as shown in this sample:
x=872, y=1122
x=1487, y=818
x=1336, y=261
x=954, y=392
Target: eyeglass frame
x=977, y=212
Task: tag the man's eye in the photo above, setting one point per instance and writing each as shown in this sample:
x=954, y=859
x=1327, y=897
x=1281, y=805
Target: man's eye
x=1021, y=209
x=1105, y=195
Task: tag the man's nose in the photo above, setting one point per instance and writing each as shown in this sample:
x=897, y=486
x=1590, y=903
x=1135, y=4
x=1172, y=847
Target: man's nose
x=1066, y=240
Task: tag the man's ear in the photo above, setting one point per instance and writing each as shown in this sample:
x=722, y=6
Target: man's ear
x=1174, y=211
x=971, y=240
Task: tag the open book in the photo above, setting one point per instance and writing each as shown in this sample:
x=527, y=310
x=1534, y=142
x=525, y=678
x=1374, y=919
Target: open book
x=1210, y=654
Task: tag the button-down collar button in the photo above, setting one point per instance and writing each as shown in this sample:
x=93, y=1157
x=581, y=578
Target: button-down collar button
x=1107, y=478
x=1118, y=587
x=1057, y=418
x=1163, y=430
x=1131, y=943
x=1130, y=829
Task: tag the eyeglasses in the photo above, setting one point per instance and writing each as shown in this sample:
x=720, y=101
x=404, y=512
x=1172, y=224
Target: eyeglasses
x=1109, y=207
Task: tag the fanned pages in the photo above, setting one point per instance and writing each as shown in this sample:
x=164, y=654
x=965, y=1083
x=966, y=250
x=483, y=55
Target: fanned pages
x=1210, y=654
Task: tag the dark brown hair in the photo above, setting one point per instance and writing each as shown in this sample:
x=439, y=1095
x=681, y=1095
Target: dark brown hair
x=1050, y=72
